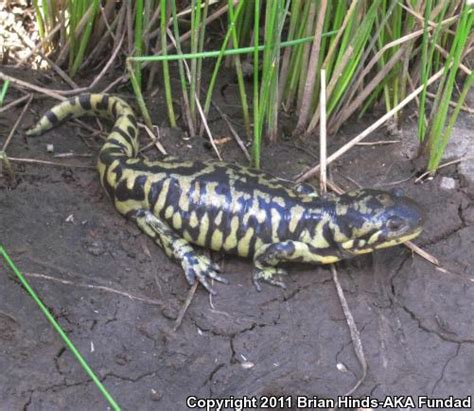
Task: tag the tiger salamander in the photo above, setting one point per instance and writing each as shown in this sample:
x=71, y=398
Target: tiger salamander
x=231, y=208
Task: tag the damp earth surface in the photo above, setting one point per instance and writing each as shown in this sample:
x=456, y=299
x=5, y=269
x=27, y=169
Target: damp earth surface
x=118, y=296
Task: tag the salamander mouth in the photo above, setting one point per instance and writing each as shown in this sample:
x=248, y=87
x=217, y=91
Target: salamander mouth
x=399, y=240
x=356, y=247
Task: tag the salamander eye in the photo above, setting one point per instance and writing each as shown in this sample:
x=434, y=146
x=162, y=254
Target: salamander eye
x=398, y=192
x=395, y=224
x=385, y=199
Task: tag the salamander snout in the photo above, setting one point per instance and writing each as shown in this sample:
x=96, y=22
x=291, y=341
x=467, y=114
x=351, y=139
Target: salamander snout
x=378, y=219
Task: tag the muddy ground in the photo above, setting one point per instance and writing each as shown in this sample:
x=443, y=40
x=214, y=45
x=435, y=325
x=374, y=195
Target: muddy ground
x=118, y=296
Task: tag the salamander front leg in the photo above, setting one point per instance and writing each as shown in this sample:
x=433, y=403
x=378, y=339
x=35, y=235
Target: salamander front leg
x=269, y=256
x=196, y=265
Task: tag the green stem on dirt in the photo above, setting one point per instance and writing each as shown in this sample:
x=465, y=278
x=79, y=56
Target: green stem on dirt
x=257, y=138
x=138, y=39
x=183, y=79
x=195, y=30
x=425, y=73
x=3, y=91
x=437, y=138
x=166, y=70
x=39, y=19
x=220, y=56
x=202, y=37
x=85, y=37
x=26, y=285
x=240, y=75
x=139, y=96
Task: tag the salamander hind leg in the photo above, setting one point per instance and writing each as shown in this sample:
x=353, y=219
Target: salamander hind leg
x=195, y=264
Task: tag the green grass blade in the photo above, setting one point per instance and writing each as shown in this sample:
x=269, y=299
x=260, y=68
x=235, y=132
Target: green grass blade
x=57, y=327
x=3, y=91
x=257, y=138
x=438, y=139
x=166, y=70
x=85, y=37
x=138, y=39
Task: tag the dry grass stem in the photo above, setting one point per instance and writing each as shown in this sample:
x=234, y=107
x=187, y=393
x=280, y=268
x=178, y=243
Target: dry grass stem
x=304, y=176
x=422, y=253
x=223, y=140
x=449, y=163
x=355, y=104
x=123, y=78
x=312, y=69
x=346, y=112
x=46, y=162
x=355, y=335
x=334, y=44
x=198, y=104
x=421, y=18
x=17, y=122
x=232, y=131
x=30, y=86
x=70, y=155
x=46, y=40
x=61, y=94
x=96, y=287
x=14, y=103
x=77, y=34
x=378, y=143
x=454, y=104
x=332, y=84
x=445, y=54
x=154, y=140
x=28, y=43
x=334, y=187
x=185, y=306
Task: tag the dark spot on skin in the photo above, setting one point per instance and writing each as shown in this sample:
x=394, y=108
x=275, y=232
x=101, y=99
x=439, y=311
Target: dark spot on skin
x=114, y=108
x=108, y=188
x=127, y=137
x=328, y=235
x=132, y=131
x=85, y=102
x=154, y=192
x=103, y=104
x=123, y=192
x=53, y=119
x=132, y=120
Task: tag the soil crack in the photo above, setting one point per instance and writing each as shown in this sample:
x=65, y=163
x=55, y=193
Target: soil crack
x=458, y=348
x=443, y=336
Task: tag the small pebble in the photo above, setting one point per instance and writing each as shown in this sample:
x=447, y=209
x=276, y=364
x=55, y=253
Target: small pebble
x=50, y=148
x=122, y=359
x=247, y=364
x=341, y=367
x=447, y=183
x=96, y=248
x=155, y=395
x=70, y=219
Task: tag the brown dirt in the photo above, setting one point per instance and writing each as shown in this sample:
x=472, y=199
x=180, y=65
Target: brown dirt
x=415, y=321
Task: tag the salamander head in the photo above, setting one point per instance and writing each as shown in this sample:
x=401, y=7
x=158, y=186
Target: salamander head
x=373, y=219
